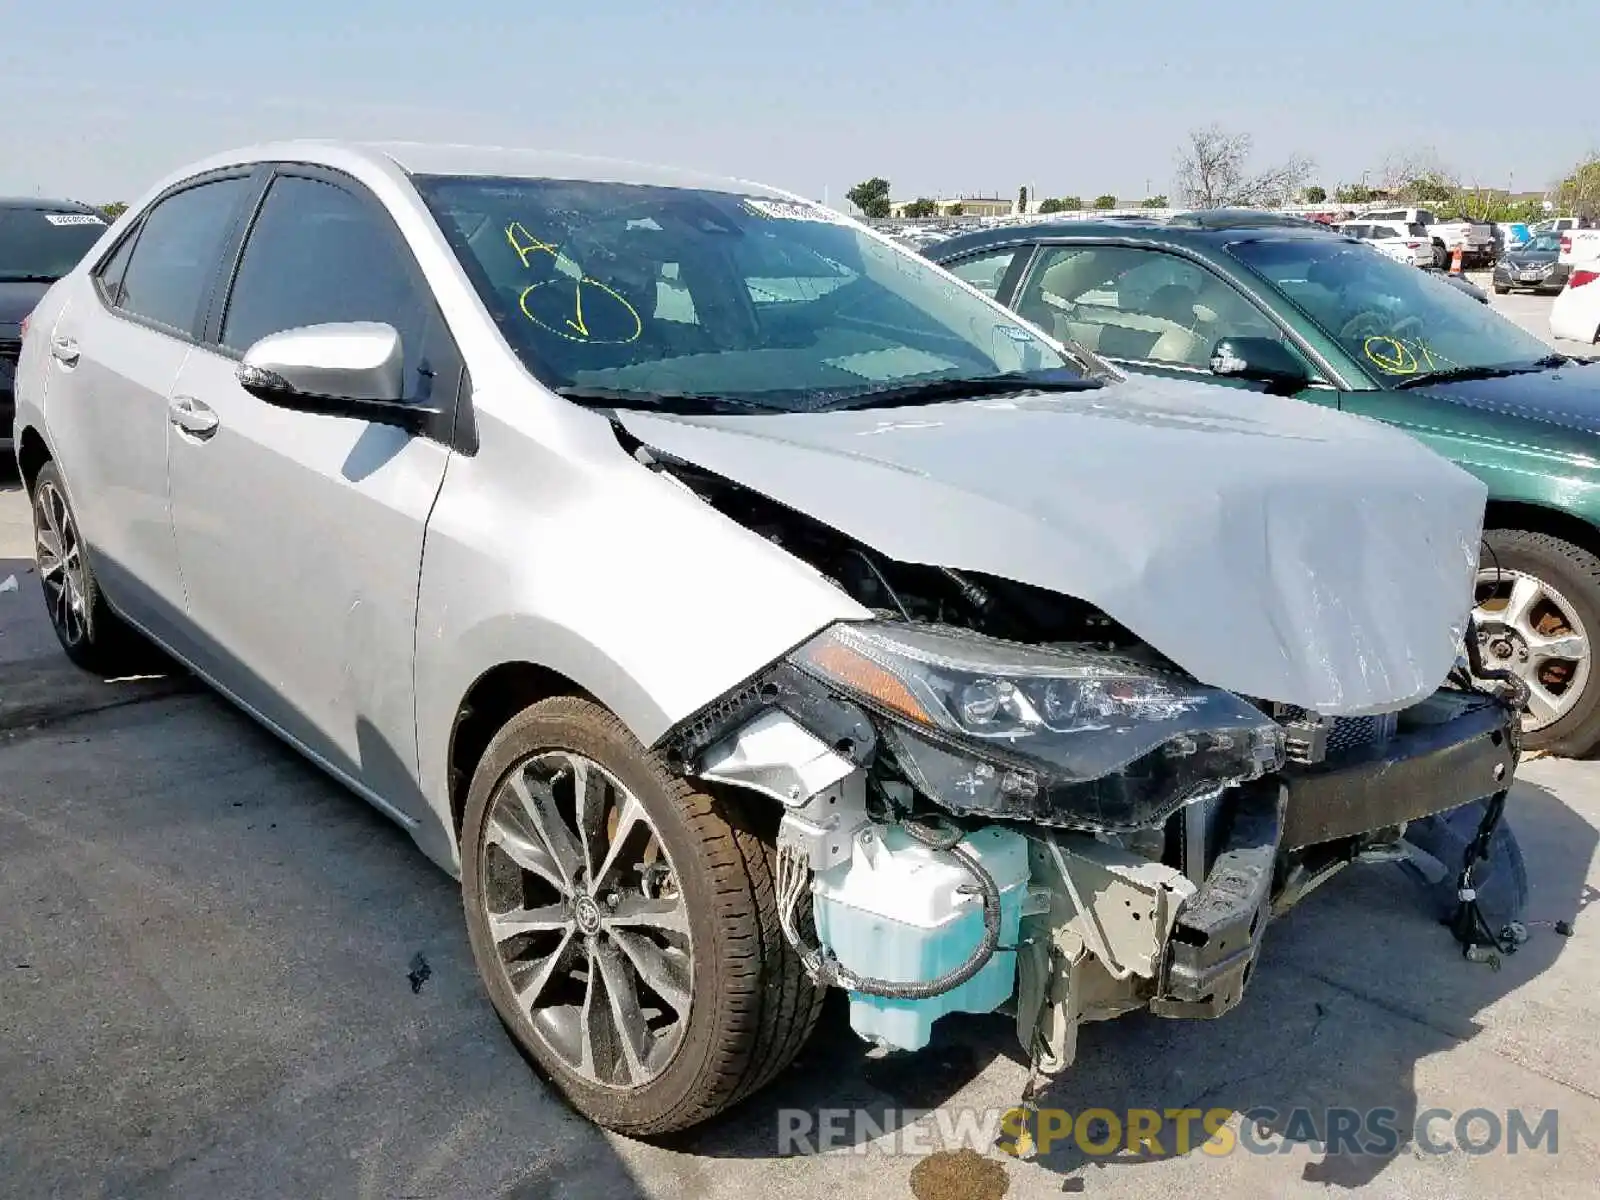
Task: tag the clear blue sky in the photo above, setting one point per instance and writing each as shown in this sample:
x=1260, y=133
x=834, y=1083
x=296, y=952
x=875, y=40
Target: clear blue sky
x=1070, y=96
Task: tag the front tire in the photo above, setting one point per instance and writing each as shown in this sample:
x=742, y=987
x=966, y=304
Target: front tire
x=626, y=925
x=93, y=636
x=1537, y=608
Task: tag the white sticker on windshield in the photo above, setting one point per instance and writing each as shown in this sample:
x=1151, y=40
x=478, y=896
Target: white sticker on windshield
x=793, y=210
x=72, y=219
x=898, y=363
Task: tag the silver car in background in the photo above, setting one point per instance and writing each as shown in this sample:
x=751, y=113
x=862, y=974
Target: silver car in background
x=741, y=605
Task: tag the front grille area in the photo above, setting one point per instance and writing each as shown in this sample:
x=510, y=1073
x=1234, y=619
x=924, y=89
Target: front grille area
x=1336, y=736
x=1349, y=732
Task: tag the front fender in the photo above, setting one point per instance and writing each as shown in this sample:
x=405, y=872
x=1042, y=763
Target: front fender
x=610, y=574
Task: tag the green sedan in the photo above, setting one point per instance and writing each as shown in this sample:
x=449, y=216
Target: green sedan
x=1255, y=301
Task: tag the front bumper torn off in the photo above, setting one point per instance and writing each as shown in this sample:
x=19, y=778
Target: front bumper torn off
x=1450, y=750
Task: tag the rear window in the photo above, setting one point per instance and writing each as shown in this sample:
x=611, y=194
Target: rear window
x=42, y=244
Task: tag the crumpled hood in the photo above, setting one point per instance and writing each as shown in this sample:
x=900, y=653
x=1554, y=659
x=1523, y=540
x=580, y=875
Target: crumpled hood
x=1270, y=547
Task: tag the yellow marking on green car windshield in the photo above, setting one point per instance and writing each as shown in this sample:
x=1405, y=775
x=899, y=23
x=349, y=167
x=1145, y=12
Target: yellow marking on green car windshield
x=1404, y=356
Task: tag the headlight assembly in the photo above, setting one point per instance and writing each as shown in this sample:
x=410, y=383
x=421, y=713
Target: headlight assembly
x=1069, y=736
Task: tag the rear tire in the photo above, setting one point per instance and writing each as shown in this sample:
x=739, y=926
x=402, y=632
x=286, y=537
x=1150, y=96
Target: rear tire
x=750, y=1004
x=92, y=635
x=1500, y=289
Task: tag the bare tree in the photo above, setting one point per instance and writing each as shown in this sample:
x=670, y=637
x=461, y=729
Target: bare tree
x=1415, y=171
x=1213, y=172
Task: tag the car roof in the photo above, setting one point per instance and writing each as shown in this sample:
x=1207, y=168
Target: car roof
x=41, y=205
x=1218, y=230
x=424, y=158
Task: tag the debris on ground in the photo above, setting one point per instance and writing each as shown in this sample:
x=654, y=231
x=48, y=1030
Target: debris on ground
x=959, y=1175
x=420, y=972
x=10, y=584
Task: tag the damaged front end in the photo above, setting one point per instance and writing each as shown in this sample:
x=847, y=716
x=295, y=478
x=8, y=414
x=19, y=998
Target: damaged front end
x=1072, y=829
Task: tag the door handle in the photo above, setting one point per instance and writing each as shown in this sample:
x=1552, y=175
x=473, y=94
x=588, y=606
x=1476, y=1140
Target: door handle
x=193, y=417
x=64, y=350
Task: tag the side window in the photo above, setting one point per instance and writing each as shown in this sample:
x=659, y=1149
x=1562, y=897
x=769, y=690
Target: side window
x=1139, y=305
x=177, y=253
x=111, y=273
x=318, y=254
x=986, y=272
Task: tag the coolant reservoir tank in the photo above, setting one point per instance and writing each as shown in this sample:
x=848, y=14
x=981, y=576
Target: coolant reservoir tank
x=900, y=911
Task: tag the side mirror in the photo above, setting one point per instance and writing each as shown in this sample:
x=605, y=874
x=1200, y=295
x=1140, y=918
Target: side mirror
x=1264, y=360
x=350, y=369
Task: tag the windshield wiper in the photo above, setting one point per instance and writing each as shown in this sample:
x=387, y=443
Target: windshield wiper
x=1455, y=374
x=25, y=277
x=932, y=390
x=681, y=403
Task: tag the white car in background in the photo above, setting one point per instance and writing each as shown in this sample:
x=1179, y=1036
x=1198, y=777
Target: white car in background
x=1403, y=243
x=1576, y=313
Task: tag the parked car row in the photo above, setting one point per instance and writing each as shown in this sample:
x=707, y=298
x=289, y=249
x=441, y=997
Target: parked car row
x=40, y=241
x=744, y=606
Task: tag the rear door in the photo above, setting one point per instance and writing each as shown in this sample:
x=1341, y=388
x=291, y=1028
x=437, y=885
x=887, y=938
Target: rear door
x=115, y=352
x=300, y=536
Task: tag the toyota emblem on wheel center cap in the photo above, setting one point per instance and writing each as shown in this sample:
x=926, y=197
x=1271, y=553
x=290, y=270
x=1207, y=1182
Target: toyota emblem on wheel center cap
x=587, y=913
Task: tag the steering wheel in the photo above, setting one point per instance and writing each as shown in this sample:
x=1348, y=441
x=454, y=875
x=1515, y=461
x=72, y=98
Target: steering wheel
x=1377, y=324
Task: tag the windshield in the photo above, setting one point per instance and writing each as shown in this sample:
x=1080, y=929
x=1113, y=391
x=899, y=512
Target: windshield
x=43, y=245
x=633, y=290
x=1545, y=241
x=1395, y=320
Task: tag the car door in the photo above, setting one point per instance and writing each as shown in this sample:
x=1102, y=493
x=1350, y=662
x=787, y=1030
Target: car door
x=300, y=536
x=116, y=349
x=1148, y=310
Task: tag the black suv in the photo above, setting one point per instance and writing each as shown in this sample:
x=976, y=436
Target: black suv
x=40, y=241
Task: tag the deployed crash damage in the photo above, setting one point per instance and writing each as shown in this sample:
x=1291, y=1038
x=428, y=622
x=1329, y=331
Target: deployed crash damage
x=997, y=794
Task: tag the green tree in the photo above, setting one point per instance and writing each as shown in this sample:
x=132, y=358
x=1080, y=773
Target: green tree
x=1022, y=199
x=1154, y=202
x=1579, y=192
x=871, y=196
x=1352, y=193
x=956, y=210
x=1316, y=194
x=1071, y=204
x=1051, y=205
x=1106, y=201
x=921, y=207
x=114, y=210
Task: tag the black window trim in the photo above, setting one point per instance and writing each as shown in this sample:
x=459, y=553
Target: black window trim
x=456, y=426
x=192, y=334
x=1333, y=379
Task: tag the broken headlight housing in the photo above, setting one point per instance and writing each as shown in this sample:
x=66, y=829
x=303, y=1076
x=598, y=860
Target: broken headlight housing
x=1068, y=736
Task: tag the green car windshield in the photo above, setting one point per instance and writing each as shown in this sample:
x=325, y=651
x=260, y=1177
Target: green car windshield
x=1397, y=321
x=644, y=293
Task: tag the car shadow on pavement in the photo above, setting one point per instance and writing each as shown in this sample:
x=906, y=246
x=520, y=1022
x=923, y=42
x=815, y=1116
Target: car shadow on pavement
x=1356, y=986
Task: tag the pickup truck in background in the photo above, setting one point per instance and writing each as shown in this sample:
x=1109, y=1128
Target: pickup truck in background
x=1579, y=246
x=1475, y=238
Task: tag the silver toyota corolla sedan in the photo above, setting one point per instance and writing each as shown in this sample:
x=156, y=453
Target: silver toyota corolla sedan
x=742, y=606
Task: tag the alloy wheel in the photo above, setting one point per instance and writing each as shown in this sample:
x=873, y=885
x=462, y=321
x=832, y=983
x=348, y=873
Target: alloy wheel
x=1528, y=626
x=588, y=921
x=59, y=558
